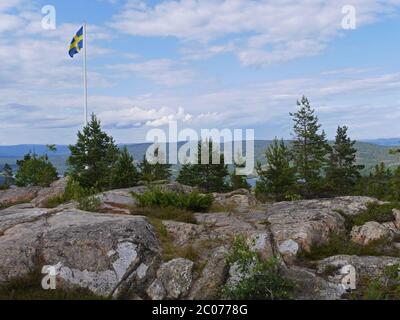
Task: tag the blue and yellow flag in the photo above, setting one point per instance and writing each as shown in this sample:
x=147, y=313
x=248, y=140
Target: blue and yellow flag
x=76, y=43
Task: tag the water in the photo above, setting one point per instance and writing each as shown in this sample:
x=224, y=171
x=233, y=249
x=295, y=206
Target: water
x=252, y=181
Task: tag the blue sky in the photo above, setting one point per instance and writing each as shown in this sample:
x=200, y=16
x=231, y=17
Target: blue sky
x=206, y=63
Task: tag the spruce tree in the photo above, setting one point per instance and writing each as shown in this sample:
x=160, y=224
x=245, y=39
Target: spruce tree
x=35, y=171
x=277, y=181
x=93, y=157
x=124, y=173
x=309, y=150
x=8, y=175
x=343, y=172
x=237, y=181
x=395, y=186
x=155, y=170
x=378, y=183
x=208, y=177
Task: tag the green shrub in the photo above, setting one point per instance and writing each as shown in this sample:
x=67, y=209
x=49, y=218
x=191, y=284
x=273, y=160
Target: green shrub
x=262, y=279
x=376, y=212
x=90, y=204
x=169, y=213
x=194, y=201
x=339, y=244
x=385, y=287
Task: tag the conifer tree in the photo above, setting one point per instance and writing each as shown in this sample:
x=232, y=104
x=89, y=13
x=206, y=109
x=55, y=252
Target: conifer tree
x=35, y=171
x=278, y=180
x=93, y=157
x=377, y=184
x=309, y=150
x=237, y=181
x=154, y=170
x=7, y=174
x=343, y=172
x=124, y=173
x=208, y=177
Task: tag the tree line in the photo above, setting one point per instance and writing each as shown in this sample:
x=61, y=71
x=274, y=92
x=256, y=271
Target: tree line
x=306, y=167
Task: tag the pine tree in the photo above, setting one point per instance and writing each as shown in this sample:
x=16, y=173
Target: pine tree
x=154, y=171
x=93, y=157
x=278, y=180
x=124, y=173
x=377, y=184
x=395, y=186
x=35, y=171
x=208, y=177
x=237, y=181
x=8, y=175
x=343, y=172
x=309, y=149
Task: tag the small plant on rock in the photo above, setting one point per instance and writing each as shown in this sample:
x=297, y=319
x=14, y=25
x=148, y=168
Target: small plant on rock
x=259, y=280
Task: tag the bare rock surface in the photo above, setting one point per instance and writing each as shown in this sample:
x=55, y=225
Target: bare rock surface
x=310, y=222
x=174, y=279
x=95, y=251
x=15, y=196
x=56, y=189
x=369, y=266
x=369, y=232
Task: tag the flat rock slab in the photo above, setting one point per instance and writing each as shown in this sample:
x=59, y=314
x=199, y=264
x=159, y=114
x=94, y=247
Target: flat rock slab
x=310, y=222
x=95, y=251
x=17, y=195
x=369, y=266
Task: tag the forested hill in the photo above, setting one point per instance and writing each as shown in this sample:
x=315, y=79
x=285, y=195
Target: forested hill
x=369, y=154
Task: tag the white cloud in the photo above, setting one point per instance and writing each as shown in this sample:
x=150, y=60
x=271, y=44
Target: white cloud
x=269, y=31
x=163, y=72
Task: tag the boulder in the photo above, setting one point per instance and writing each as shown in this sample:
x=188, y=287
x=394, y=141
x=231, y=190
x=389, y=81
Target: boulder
x=99, y=252
x=369, y=232
x=239, y=200
x=396, y=214
x=310, y=222
x=224, y=225
x=310, y=286
x=174, y=279
x=117, y=201
x=260, y=242
x=56, y=189
x=212, y=277
x=15, y=196
x=372, y=267
x=183, y=233
x=20, y=214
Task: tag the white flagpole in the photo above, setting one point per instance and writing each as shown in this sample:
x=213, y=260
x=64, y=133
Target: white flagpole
x=85, y=75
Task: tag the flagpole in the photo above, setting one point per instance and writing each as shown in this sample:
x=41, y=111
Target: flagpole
x=85, y=75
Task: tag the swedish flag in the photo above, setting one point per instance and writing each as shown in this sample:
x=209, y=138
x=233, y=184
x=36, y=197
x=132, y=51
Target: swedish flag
x=76, y=43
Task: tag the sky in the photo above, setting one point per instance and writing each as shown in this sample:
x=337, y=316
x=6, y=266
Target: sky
x=237, y=64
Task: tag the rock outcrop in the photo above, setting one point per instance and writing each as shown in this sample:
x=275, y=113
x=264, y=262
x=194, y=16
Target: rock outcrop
x=369, y=232
x=56, y=190
x=299, y=225
x=15, y=196
x=174, y=280
x=95, y=251
x=115, y=254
